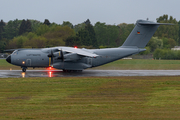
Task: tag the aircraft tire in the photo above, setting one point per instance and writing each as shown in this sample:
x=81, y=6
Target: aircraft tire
x=72, y=70
x=64, y=70
x=24, y=69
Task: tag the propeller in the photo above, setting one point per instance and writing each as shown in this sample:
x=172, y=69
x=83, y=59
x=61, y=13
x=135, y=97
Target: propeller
x=61, y=56
x=51, y=55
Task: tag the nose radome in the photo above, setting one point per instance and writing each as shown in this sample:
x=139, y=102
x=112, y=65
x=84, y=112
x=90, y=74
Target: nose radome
x=8, y=59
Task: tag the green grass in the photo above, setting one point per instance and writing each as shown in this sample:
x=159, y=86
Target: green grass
x=106, y=98
x=142, y=64
x=134, y=64
x=7, y=66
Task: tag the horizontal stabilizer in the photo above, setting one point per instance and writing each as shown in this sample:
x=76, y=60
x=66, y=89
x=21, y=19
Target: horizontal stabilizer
x=152, y=23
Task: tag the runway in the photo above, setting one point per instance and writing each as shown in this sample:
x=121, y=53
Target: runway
x=86, y=73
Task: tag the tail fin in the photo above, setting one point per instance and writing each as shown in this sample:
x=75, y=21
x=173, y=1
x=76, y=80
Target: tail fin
x=142, y=33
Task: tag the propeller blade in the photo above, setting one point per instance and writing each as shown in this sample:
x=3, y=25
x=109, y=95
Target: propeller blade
x=52, y=61
x=62, y=55
x=51, y=55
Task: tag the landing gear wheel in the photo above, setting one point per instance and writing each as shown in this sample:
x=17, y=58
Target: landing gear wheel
x=65, y=70
x=24, y=69
x=68, y=71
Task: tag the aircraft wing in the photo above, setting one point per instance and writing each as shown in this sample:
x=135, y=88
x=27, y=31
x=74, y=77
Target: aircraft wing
x=78, y=51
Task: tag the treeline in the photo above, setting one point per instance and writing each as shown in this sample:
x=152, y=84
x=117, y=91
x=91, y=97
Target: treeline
x=166, y=54
x=36, y=34
x=167, y=36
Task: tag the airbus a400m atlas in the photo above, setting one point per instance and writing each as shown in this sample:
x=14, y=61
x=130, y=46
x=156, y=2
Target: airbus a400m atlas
x=75, y=59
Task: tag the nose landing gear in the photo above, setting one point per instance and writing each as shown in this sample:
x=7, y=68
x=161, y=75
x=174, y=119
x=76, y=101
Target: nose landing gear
x=24, y=69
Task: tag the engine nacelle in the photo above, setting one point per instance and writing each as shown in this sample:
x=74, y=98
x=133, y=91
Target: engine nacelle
x=71, y=57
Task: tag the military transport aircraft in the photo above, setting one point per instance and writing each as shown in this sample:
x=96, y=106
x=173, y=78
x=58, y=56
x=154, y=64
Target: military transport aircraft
x=75, y=59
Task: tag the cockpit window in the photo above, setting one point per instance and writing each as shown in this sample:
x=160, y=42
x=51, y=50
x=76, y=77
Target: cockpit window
x=15, y=52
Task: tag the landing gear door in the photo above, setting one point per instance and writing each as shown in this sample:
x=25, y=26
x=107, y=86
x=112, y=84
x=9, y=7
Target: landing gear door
x=28, y=62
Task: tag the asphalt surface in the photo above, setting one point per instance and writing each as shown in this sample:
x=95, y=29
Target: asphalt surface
x=86, y=73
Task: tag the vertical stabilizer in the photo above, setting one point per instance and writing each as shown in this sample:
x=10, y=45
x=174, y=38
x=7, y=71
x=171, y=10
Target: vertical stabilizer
x=142, y=33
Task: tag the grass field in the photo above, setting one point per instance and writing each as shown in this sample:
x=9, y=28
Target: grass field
x=134, y=64
x=142, y=64
x=106, y=98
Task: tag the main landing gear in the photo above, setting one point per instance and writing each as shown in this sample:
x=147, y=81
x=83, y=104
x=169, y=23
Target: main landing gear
x=71, y=70
x=24, y=69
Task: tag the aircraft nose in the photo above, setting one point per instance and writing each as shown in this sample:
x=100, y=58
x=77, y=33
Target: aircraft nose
x=8, y=59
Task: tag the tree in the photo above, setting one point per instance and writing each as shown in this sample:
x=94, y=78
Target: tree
x=22, y=28
x=113, y=35
x=166, y=54
x=179, y=33
x=108, y=35
x=28, y=26
x=42, y=29
x=58, y=36
x=67, y=23
x=163, y=18
x=2, y=45
x=25, y=27
x=46, y=22
x=17, y=42
x=31, y=35
x=92, y=35
x=101, y=32
x=2, y=35
x=84, y=37
x=125, y=30
x=2, y=24
x=87, y=22
x=168, y=43
x=87, y=35
x=36, y=42
x=171, y=43
x=78, y=27
x=168, y=31
x=34, y=25
x=73, y=41
x=155, y=43
x=12, y=29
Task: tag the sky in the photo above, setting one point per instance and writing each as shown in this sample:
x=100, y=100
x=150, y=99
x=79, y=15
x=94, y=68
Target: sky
x=111, y=12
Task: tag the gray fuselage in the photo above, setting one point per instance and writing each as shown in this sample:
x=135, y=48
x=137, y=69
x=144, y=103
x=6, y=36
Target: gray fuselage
x=38, y=58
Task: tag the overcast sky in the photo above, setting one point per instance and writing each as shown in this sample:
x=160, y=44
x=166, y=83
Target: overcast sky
x=78, y=11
